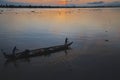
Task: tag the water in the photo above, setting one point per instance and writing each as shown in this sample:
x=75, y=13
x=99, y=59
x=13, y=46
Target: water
x=94, y=54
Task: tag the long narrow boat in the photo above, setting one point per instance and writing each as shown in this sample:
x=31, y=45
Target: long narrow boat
x=38, y=52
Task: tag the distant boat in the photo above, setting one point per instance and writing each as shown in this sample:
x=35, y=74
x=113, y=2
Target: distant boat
x=37, y=52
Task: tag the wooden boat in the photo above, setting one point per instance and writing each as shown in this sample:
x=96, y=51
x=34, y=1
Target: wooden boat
x=37, y=52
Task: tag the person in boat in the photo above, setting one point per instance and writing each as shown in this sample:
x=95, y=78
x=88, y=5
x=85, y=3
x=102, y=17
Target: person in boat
x=14, y=50
x=66, y=40
x=6, y=55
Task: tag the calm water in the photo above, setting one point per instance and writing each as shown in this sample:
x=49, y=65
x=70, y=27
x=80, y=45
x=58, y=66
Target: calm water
x=93, y=56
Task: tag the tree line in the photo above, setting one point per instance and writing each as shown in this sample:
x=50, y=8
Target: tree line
x=42, y=6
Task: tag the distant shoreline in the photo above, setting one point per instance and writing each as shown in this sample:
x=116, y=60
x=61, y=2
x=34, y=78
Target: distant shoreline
x=13, y=6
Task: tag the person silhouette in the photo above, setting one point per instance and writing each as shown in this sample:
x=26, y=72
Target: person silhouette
x=14, y=49
x=4, y=53
x=66, y=40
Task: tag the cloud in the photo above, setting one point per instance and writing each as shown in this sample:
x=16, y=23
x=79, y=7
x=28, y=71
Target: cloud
x=115, y=3
x=4, y=2
x=102, y=3
x=99, y=2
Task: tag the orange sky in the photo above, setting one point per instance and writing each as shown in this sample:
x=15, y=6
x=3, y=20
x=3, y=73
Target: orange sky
x=58, y=1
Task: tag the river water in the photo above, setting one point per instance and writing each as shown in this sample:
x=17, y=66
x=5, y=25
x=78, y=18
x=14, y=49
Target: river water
x=94, y=55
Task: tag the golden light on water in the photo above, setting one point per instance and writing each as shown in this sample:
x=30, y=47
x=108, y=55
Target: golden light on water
x=62, y=20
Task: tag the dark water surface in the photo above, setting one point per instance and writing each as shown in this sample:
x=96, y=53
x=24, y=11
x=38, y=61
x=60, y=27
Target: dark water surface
x=95, y=54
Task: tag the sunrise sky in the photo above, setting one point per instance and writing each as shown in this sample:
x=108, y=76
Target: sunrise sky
x=53, y=2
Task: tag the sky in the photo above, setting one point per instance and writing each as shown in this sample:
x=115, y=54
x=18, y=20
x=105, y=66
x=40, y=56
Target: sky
x=58, y=2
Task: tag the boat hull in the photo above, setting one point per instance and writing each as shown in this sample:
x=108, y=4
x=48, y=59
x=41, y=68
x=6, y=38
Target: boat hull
x=40, y=52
